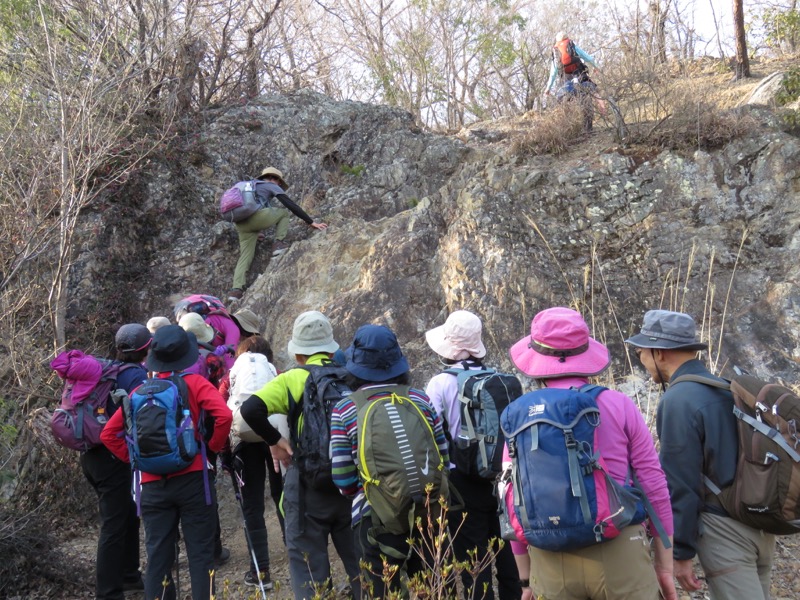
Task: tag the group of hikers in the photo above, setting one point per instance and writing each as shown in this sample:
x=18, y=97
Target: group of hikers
x=416, y=485
x=358, y=452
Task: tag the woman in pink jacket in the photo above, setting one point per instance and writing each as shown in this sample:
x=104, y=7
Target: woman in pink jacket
x=559, y=353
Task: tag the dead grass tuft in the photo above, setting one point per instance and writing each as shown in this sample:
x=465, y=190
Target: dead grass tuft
x=552, y=132
x=696, y=124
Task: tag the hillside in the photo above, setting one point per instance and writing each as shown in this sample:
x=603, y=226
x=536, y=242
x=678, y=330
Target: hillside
x=421, y=224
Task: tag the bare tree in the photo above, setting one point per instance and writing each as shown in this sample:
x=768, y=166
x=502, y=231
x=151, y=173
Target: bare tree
x=80, y=106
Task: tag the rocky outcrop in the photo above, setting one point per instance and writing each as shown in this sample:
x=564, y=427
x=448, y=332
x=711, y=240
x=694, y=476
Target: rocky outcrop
x=422, y=224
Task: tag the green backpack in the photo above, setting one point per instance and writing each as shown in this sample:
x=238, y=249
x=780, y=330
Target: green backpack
x=397, y=459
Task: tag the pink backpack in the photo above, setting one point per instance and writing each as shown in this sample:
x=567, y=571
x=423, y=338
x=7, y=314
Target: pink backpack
x=202, y=304
x=88, y=383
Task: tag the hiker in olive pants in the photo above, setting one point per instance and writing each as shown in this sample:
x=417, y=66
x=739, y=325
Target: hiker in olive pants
x=697, y=430
x=269, y=185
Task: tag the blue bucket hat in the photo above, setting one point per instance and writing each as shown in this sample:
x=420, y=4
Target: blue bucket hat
x=375, y=354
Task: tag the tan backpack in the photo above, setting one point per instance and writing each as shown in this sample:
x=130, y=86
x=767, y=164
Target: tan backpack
x=765, y=493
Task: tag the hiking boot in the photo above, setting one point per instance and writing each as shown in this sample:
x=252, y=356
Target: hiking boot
x=251, y=579
x=235, y=294
x=133, y=585
x=223, y=557
x=279, y=248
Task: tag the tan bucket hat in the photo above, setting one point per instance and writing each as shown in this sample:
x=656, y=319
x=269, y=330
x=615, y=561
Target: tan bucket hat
x=194, y=323
x=272, y=171
x=247, y=320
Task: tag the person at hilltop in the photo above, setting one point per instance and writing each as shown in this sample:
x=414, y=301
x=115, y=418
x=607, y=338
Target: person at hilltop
x=568, y=69
x=560, y=354
x=459, y=344
x=270, y=184
x=697, y=429
x=118, y=544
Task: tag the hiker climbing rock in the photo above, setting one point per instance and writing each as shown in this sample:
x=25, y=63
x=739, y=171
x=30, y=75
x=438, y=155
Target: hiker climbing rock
x=270, y=184
x=569, y=69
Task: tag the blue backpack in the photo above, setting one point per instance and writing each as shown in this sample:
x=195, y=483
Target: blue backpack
x=563, y=496
x=158, y=426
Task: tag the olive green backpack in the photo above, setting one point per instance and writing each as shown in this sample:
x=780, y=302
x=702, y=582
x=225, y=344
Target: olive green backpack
x=398, y=459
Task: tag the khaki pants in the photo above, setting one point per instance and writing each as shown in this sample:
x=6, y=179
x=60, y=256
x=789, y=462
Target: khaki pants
x=736, y=559
x=248, y=231
x=619, y=569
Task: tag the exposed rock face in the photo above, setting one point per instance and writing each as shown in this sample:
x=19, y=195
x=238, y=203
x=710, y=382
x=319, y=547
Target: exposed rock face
x=422, y=224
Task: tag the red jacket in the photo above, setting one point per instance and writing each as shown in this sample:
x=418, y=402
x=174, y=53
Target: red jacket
x=202, y=395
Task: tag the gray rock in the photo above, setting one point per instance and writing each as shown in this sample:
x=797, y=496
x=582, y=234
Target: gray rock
x=421, y=224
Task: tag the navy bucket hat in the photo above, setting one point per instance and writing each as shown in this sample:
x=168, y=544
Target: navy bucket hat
x=667, y=330
x=375, y=354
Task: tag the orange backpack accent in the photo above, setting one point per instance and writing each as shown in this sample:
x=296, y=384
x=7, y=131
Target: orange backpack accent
x=565, y=53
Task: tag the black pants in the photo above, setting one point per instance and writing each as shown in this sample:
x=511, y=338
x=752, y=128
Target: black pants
x=118, y=545
x=164, y=504
x=479, y=525
x=255, y=460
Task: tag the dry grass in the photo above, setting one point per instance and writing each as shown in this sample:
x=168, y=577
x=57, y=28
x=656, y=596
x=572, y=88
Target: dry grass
x=551, y=132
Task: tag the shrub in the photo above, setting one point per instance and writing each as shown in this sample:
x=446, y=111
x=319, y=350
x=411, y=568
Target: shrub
x=790, y=88
x=695, y=124
x=552, y=132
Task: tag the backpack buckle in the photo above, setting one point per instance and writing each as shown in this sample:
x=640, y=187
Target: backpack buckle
x=569, y=437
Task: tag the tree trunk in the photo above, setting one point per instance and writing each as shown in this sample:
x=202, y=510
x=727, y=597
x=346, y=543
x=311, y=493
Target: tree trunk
x=190, y=57
x=252, y=54
x=742, y=67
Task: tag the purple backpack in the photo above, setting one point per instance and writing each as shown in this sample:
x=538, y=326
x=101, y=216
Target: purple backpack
x=88, y=383
x=239, y=202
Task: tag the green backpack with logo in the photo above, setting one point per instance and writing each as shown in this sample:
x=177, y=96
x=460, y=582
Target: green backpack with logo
x=398, y=459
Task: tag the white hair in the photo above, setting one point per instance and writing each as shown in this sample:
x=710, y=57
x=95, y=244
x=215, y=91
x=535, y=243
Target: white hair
x=561, y=35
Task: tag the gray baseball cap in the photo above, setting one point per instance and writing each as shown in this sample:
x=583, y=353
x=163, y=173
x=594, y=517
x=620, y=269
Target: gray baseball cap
x=667, y=330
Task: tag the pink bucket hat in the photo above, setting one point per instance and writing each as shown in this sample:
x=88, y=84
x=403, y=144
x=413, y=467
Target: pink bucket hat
x=459, y=337
x=559, y=346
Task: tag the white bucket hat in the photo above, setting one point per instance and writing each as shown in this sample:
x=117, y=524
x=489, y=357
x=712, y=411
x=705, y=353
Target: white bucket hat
x=459, y=337
x=312, y=333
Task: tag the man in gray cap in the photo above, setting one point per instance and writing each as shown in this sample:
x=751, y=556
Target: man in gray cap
x=697, y=430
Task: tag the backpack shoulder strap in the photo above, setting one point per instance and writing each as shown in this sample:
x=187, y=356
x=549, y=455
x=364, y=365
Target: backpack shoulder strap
x=651, y=513
x=592, y=390
x=723, y=385
x=462, y=375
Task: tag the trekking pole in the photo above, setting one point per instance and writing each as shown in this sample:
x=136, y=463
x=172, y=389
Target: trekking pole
x=237, y=491
x=177, y=566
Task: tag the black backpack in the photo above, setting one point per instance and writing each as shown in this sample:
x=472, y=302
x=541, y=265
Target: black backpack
x=325, y=386
x=483, y=395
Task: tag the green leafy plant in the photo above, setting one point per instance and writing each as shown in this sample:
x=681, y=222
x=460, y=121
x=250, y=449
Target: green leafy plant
x=355, y=170
x=790, y=87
